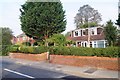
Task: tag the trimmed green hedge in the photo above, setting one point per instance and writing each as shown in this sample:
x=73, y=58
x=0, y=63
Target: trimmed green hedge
x=76, y=51
x=29, y=49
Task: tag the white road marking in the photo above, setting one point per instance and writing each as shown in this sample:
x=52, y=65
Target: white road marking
x=19, y=73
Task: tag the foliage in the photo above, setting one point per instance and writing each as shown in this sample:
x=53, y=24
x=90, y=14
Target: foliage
x=41, y=20
x=76, y=51
x=29, y=49
x=35, y=44
x=14, y=49
x=73, y=51
x=87, y=16
x=58, y=39
x=110, y=32
x=26, y=43
x=5, y=50
x=90, y=24
x=5, y=38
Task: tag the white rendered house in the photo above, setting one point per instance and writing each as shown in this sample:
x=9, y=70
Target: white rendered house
x=88, y=37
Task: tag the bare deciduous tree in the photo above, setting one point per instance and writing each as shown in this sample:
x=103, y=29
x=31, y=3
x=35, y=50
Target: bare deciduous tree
x=86, y=14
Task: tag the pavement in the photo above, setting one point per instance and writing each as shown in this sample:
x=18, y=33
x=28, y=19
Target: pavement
x=84, y=72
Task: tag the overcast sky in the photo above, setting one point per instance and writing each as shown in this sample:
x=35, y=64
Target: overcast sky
x=9, y=12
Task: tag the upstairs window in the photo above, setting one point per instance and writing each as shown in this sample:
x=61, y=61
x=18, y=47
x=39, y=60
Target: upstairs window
x=99, y=30
x=70, y=35
x=92, y=32
x=76, y=33
x=84, y=32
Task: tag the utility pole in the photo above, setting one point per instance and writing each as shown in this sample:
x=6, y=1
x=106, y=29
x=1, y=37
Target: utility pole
x=88, y=38
x=89, y=31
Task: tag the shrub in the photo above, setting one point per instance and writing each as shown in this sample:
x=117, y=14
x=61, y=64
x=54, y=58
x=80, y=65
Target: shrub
x=5, y=50
x=13, y=49
x=35, y=44
x=30, y=49
x=26, y=43
x=100, y=52
x=76, y=51
x=15, y=45
x=42, y=49
x=24, y=49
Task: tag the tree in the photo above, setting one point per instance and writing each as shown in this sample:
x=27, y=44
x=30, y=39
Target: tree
x=41, y=20
x=6, y=36
x=87, y=16
x=110, y=33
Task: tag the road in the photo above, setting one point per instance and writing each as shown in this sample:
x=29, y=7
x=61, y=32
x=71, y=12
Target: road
x=11, y=70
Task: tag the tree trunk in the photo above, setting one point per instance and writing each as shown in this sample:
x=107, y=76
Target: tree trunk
x=46, y=43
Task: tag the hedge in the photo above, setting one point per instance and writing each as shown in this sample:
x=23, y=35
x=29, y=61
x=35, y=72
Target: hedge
x=76, y=51
x=29, y=49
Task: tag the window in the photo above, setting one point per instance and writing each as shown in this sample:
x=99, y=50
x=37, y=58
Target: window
x=92, y=32
x=70, y=35
x=90, y=44
x=99, y=30
x=79, y=44
x=83, y=32
x=86, y=32
x=76, y=33
x=85, y=44
x=95, y=44
x=100, y=44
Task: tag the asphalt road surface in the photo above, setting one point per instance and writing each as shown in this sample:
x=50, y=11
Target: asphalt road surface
x=10, y=70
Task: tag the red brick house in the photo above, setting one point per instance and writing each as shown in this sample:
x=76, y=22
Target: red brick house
x=22, y=38
x=88, y=37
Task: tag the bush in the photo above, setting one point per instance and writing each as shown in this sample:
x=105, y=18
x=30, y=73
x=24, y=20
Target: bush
x=13, y=49
x=100, y=52
x=5, y=50
x=40, y=49
x=26, y=43
x=15, y=45
x=29, y=49
x=76, y=51
x=24, y=49
x=35, y=44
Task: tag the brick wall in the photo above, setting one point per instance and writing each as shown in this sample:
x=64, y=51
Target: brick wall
x=98, y=62
x=33, y=57
x=81, y=61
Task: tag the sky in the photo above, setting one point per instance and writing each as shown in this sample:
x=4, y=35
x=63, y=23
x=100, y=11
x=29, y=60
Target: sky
x=9, y=12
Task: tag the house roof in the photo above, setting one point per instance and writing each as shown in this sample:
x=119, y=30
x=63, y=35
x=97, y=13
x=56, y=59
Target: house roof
x=21, y=35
